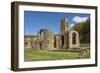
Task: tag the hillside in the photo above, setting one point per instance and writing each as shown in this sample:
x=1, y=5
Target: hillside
x=84, y=31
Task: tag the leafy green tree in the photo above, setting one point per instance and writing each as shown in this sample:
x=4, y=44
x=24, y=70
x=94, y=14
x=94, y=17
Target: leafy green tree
x=83, y=29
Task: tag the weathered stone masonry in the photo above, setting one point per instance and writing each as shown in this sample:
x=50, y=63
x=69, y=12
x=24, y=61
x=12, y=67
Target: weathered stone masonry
x=46, y=40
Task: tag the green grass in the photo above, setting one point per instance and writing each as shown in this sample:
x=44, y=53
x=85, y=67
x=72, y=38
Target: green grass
x=84, y=45
x=87, y=55
x=40, y=55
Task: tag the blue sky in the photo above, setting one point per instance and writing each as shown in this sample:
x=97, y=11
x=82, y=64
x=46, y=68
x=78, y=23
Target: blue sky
x=36, y=20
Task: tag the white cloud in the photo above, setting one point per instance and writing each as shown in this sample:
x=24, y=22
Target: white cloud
x=71, y=25
x=78, y=19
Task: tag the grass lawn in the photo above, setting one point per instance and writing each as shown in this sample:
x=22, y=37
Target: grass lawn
x=40, y=55
x=84, y=45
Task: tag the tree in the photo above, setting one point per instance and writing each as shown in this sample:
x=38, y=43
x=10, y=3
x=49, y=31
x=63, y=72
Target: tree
x=83, y=29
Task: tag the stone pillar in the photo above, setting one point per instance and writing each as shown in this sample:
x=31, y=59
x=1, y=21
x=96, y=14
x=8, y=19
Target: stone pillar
x=66, y=39
x=57, y=42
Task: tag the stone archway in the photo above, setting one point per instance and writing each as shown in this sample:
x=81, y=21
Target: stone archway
x=73, y=39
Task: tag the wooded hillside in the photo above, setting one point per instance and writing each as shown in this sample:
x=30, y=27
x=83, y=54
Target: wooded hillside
x=84, y=31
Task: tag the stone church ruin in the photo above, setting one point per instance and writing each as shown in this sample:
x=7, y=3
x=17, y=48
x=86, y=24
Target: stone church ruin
x=46, y=40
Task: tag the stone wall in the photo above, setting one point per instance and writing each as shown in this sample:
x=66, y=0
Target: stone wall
x=27, y=43
x=46, y=39
x=56, y=42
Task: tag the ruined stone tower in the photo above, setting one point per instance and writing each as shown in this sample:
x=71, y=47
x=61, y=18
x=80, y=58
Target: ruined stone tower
x=63, y=26
x=63, y=29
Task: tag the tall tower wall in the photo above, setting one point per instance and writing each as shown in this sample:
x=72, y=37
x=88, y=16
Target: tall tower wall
x=63, y=26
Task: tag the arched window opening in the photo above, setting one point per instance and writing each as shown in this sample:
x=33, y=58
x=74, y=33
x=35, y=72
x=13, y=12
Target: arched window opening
x=54, y=42
x=40, y=46
x=62, y=40
x=74, y=38
x=26, y=43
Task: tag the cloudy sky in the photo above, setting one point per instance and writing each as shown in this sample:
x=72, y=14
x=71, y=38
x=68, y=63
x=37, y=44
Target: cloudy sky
x=34, y=21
